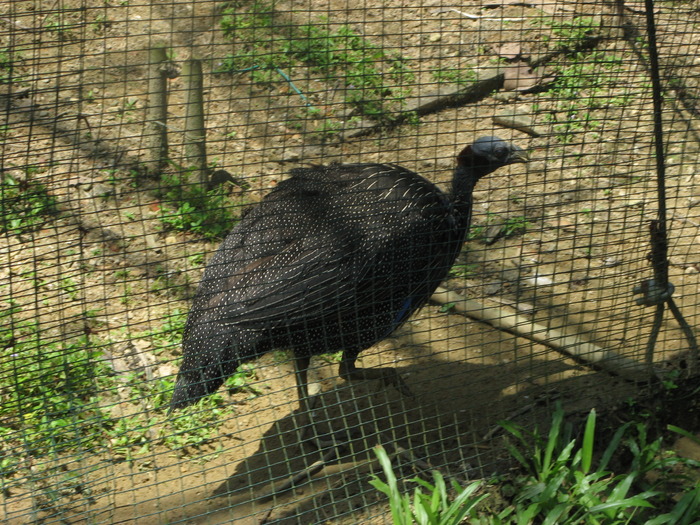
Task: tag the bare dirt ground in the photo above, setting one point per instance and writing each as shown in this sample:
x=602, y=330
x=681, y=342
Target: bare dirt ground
x=584, y=200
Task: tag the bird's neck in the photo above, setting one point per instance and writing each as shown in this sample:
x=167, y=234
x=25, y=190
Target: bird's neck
x=462, y=187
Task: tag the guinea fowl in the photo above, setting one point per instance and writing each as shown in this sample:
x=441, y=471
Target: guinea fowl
x=334, y=258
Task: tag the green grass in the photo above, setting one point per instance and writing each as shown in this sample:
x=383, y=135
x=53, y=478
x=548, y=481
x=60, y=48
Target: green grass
x=509, y=227
x=568, y=34
x=583, y=85
x=8, y=64
x=62, y=397
x=59, y=25
x=25, y=205
x=47, y=392
x=185, y=431
x=464, y=270
x=585, y=78
x=431, y=503
x=562, y=481
x=374, y=80
x=170, y=332
x=188, y=207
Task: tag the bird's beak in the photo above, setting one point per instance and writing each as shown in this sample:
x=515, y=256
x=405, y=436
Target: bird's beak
x=518, y=155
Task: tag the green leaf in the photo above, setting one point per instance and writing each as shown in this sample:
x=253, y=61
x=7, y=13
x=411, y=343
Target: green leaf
x=463, y=503
x=685, y=512
x=612, y=446
x=695, y=439
x=635, y=501
x=553, y=439
x=588, y=438
x=554, y=515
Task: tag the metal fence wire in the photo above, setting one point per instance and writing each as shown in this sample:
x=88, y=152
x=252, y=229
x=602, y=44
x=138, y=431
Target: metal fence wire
x=135, y=135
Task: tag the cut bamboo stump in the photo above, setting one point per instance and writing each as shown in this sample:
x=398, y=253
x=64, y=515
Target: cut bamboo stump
x=157, y=111
x=195, y=136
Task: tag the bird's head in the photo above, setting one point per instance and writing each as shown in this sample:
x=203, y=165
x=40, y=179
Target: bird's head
x=487, y=154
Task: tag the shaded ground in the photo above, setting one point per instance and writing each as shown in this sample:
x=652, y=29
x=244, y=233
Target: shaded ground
x=583, y=205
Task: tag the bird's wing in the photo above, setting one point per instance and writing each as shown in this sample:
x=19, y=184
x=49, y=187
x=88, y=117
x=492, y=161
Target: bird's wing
x=298, y=283
x=330, y=265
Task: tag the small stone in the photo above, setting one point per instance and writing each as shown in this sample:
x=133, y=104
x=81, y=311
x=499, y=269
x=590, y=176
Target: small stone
x=493, y=233
x=510, y=50
x=563, y=224
x=492, y=288
x=435, y=37
x=142, y=344
x=444, y=164
x=102, y=190
x=540, y=280
x=514, y=120
x=165, y=370
x=290, y=155
x=691, y=270
x=611, y=262
x=152, y=242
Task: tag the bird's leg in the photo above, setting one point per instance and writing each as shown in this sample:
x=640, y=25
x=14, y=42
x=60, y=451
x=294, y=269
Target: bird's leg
x=387, y=376
x=307, y=431
x=301, y=368
x=306, y=405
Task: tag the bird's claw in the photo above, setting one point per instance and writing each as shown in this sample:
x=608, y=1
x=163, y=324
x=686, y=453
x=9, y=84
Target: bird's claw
x=335, y=440
x=308, y=435
x=385, y=376
x=391, y=377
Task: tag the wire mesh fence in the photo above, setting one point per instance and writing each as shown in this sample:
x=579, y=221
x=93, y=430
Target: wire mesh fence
x=123, y=169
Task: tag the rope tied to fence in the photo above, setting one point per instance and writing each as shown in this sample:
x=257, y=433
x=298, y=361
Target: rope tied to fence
x=659, y=291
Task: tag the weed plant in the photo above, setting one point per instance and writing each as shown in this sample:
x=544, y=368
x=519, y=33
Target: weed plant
x=47, y=393
x=585, y=78
x=431, y=503
x=25, y=205
x=373, y=78
x=8, y=60
x=563, y=482
x=188, y=207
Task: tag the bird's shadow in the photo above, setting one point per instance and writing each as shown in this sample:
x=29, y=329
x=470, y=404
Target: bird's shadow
x=443, y=424
x=354, y=414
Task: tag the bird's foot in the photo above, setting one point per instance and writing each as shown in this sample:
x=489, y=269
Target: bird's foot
x=391, y=377
x=318, y=441
x=386, y=377
x=309, y=433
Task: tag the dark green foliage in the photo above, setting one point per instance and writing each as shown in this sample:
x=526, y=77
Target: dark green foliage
x=25, y=205
x=189, y=207
x=372, y=77
x=47, y=392
x=569, y=481
x=564, y=481
x=433, y=503
x=6, y=66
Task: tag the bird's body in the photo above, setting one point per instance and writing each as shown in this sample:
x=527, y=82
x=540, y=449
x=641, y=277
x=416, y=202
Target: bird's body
x=334, y=258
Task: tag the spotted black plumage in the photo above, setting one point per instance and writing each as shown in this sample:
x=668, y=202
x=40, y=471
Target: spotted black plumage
x=334, y=258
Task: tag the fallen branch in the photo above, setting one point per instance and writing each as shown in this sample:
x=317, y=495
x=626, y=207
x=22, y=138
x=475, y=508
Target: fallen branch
x=572, y=345
x=303, y=475
x=477, y=17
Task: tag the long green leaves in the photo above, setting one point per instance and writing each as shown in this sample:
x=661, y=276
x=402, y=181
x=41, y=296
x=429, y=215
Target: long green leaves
x=433, y=507
x=565, y=481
